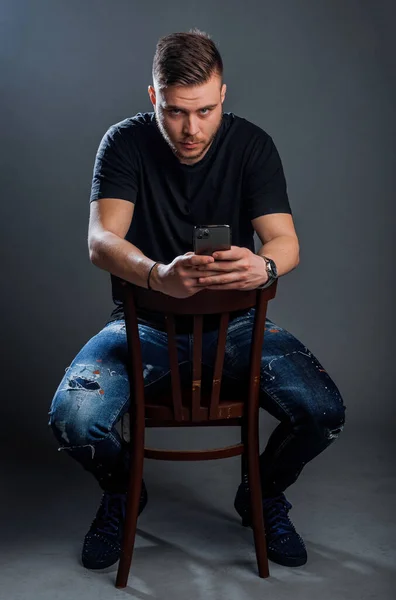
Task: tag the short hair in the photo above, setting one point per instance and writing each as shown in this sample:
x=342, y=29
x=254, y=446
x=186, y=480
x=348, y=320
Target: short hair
x=186, y=59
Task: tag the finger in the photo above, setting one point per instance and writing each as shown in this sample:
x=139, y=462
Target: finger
x=237, y=285
x=194, y=287
x=235, y=253
x=222, y=279
x=196, y=260
x=206, y=274
x=223, y=266
x=192, y=273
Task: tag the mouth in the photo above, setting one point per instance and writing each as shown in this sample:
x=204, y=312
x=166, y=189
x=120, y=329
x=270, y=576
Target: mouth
x=190, y=146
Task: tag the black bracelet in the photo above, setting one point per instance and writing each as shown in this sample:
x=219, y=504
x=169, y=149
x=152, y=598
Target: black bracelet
x=149, y=273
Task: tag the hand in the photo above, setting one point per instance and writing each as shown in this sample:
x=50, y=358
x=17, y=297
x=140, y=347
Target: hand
x=235, y=269
x=180, y=278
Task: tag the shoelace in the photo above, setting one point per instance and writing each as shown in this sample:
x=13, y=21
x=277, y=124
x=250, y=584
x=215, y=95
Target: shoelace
x=112, y=511
x=277, y=520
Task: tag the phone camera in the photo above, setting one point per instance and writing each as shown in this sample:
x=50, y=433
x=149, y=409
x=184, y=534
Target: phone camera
x=206, y=233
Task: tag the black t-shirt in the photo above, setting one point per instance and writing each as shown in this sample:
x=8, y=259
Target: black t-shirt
x=239, y=178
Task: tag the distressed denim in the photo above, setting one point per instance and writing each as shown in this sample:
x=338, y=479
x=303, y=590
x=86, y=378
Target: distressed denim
x=295, y=389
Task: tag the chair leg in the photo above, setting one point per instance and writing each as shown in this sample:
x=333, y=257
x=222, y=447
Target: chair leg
x=132, y=506
x=256, y=502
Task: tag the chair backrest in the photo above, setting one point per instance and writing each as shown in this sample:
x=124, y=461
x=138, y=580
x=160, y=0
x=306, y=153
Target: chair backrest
x=203, y=303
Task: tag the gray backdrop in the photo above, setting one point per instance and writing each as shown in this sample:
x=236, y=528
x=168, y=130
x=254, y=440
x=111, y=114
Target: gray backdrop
x=317, y=75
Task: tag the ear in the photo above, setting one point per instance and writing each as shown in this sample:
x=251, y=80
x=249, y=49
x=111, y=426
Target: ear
x=223, y=92
x=151, y=92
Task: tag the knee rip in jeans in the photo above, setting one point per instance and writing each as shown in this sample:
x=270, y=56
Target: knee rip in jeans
x=86, y=378
x=83, y=379
x=335, y=419
x=333, y=431
x=333, y=434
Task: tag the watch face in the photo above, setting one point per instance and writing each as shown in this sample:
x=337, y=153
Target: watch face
x=274, y=270
x=271, y=268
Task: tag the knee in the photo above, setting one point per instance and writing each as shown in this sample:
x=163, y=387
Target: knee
x=72, y=424
x=325, y=416
x=332, y=424
x=330, y=419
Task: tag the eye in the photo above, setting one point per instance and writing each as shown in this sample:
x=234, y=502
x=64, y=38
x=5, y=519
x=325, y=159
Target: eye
x=205, y=111
x=175, y=111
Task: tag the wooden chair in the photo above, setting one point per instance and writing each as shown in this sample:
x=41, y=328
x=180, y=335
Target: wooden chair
x=194, y=406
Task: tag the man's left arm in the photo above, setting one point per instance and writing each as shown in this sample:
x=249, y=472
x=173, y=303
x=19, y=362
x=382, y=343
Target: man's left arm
x=279, y=240
x=241, y=269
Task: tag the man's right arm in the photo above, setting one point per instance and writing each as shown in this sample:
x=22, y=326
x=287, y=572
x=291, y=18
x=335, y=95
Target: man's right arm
x=109, y=222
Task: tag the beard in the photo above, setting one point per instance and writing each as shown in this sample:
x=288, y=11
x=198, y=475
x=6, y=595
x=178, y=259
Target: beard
x=187, y=156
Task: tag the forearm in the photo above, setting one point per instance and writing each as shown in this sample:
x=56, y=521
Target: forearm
x=284, y=250
x=121, y=258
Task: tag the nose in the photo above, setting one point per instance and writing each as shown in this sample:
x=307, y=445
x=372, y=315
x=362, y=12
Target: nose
x=190, y=126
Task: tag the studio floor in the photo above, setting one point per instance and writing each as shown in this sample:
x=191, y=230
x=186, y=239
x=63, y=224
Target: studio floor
x=190, y=543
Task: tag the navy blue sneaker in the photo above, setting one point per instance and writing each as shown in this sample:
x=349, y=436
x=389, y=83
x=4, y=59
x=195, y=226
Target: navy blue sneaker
x=102, y=544
x=284, y=545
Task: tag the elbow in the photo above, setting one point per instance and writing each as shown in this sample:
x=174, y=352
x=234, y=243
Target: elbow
x=94, y=250
x=297, y=255
x=99, y=245
x=93, y=257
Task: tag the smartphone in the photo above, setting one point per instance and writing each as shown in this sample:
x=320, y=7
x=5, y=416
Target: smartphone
x=209, y=238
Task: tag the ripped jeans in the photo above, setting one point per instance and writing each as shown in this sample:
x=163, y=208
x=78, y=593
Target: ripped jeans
x=295, y=389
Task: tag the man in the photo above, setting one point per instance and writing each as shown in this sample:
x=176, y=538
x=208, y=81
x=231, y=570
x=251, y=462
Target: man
x=157, y=175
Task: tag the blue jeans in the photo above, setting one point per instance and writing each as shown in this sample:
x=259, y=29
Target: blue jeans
x=295, y=389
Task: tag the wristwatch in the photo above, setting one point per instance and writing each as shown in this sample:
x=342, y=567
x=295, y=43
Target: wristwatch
x=272, y=272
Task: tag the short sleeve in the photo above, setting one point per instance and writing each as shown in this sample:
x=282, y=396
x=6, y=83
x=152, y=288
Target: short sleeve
x=265, y=190
x=115, y=168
